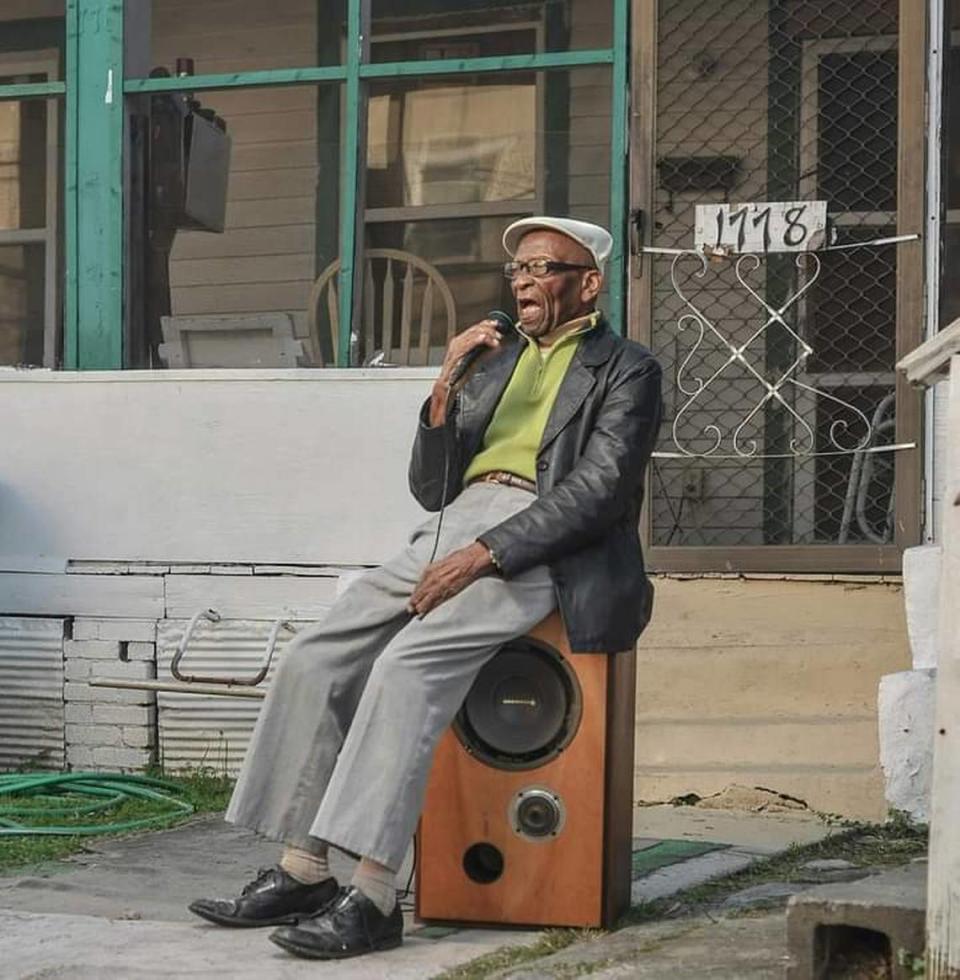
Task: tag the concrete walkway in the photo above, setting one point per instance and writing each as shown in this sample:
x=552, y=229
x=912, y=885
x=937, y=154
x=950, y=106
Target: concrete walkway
x=119, y=909
x=698, y=948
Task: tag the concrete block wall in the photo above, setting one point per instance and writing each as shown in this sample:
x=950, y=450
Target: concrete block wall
x=762, y=680
x=110, y=728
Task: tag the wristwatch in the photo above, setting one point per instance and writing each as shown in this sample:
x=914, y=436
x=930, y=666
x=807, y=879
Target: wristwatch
x=493, y=558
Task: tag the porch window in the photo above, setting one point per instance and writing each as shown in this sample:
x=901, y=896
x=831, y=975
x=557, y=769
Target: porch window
x=366, y=170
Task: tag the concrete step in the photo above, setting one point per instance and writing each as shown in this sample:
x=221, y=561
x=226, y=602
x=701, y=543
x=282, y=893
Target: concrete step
x=880, y=918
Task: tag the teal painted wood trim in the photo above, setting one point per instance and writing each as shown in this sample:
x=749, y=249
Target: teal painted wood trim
x=349, y=180
x=339, y=73
x=99, y=170
x=70, y=151
x=619, y=129
x=238, y=79
x=514, y=62
x=34, y=90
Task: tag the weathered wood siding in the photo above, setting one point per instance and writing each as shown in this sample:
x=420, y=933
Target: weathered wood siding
x=265, y=260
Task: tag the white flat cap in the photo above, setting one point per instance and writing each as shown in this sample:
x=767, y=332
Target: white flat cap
x=596, y=240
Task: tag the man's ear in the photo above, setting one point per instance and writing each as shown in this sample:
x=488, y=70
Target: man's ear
x=590, y=285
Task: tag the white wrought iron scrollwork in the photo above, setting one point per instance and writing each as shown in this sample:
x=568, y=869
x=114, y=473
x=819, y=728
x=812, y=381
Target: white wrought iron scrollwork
x=852, y=434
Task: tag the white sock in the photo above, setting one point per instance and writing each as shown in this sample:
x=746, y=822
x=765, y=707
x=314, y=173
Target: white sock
x=378, y=883
x=307, y=867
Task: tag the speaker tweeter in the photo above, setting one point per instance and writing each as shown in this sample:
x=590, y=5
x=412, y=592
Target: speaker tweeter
x=537, y=813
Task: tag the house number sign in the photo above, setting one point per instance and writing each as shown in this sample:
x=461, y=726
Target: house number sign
x=760, y=227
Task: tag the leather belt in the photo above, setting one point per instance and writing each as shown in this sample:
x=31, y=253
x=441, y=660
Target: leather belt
x=507, y=479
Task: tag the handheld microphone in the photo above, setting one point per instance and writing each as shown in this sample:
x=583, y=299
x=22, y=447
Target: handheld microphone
x=504, y=325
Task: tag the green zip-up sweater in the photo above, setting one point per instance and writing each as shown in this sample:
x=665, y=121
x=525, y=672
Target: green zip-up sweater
x=516, y=429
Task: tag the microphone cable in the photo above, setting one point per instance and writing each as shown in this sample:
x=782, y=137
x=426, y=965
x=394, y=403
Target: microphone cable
x=504, y=326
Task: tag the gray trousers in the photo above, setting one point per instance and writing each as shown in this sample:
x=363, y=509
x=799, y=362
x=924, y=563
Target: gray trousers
x=345, y=738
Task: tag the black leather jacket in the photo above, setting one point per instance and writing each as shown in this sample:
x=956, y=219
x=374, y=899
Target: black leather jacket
x=584, y=521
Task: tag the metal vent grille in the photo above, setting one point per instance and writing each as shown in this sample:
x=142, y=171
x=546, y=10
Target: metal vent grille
x=31, y=693
x=791, y=100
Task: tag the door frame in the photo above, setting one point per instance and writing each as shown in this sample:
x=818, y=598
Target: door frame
x=911, y=210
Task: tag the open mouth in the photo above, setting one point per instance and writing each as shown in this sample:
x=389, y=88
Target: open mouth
x=528, y=310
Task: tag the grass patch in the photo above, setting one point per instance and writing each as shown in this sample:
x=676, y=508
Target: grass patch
x=206, y=791
x=550, y=942
x=876, y=846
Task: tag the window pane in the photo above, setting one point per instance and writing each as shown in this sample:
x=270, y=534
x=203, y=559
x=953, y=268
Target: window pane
x=857, y=144
x=30, y=231
x=949, y=280
x=463, y=140
x=234, y=293
x=234, y=35
x=24, y=177
x=852, y=316
x=456, y=282
x=428, y=30
x=450, y=163
x=32, y=34
x=22, y=304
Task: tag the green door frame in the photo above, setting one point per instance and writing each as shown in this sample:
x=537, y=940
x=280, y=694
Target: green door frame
x=95, y=161
x=93, y=91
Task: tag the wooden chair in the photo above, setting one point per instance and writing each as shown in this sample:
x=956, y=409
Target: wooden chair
x=384, y=313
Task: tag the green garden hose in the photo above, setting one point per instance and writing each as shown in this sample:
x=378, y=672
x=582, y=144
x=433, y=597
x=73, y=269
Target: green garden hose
x=62, y=793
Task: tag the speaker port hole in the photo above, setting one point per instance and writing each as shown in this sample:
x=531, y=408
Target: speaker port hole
x=483, y=863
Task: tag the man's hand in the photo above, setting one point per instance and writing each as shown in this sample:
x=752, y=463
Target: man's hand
x=445, y=578
x=482, y=334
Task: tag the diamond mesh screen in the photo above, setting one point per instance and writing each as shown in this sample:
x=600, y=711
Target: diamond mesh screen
x=786, y=100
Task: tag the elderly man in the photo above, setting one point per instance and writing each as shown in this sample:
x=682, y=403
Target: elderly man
x=538, y=458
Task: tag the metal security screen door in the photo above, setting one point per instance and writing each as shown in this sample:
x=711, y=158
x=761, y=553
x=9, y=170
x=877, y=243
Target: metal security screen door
x=780, y=101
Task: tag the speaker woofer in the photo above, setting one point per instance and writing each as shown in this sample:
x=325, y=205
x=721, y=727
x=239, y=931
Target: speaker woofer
x=523, y=708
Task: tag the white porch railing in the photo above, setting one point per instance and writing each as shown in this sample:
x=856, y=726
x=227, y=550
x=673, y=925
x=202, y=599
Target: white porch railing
x=926, y=365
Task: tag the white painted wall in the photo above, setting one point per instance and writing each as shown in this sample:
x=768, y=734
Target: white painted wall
x=293, y=466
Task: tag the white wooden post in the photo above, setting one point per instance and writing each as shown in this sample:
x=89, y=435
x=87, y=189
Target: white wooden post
x=943, y=883
x=924, y=366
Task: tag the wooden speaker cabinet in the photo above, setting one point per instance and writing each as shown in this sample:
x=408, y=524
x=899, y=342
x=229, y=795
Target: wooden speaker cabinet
x=528, y=813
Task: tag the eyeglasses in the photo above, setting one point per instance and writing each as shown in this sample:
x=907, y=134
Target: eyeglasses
x=539, y=268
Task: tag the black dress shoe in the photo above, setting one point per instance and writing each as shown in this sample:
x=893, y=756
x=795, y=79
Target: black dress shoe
x=272, y=899
x=351, y=926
